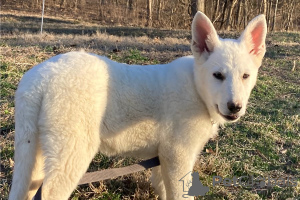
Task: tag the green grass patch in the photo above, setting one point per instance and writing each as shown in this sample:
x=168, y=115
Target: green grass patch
x=131, y=56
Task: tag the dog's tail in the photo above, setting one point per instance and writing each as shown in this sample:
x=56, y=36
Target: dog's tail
x=27, y=106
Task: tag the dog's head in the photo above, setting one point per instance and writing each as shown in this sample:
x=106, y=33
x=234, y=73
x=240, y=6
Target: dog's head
x=225, y=69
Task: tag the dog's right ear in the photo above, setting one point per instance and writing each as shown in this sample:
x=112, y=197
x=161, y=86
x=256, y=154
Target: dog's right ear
x=204, y=36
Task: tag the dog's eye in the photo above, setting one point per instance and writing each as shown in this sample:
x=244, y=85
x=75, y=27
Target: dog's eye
x=218, y=76
x=245, y=76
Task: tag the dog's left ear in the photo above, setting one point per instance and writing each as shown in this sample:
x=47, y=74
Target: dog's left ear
x=254, y=37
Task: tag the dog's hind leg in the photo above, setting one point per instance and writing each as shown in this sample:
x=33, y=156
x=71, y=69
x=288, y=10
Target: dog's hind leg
x=67, y=158
x=25, y=159
x=158, y=183
x=27, y=153
x=37, y=173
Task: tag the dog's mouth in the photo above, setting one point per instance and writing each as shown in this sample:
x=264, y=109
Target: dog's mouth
x=231, y=117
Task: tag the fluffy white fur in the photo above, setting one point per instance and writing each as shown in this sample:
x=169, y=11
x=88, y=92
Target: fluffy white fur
x=74, y=105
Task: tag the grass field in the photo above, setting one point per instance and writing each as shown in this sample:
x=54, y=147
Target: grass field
x=266, y=142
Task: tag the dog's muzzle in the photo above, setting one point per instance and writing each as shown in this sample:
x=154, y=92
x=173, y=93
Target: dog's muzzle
x=231, y=117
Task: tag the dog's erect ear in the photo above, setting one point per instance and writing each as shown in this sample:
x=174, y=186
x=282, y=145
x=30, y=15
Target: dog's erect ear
x=254, y=37
x=204, y=35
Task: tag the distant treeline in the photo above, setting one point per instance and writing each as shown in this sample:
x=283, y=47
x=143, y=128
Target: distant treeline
x=225, y=14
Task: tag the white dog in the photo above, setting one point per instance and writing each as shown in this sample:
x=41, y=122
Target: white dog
x=74, y=105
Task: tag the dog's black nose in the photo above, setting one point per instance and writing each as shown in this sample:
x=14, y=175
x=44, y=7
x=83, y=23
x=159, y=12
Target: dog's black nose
x=234, y=107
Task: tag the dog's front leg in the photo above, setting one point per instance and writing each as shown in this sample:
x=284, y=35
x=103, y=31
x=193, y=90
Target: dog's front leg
x=176, y=162
x=157, y=183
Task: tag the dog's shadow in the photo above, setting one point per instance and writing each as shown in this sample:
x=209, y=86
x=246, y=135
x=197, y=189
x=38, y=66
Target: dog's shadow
x=125, y=187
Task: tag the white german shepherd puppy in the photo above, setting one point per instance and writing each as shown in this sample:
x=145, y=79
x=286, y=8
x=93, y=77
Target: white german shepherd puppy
x=74, y=105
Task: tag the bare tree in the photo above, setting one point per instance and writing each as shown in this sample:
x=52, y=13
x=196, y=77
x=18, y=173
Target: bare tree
x=225, y=14
x=197, y=5
x=149, y=12
x=245, y=13
x=215, y=17
x=130, y=5
x=269, y=14
x=101, y=5
x=264, y=3
x=274, y=16
x=238, y=14
x=63, y=3
x=229, y=16
x=290, y=9
x=159, y=10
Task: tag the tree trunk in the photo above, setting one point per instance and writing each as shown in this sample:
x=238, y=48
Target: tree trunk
x=230, y=17
x=197, y=5
x=62, y=4
x=100, y=9
x=149, y=13
x=201, y=5
x=264, y=2
x=224, y=14
x=290, y=16
x=75, y=5
x=274, y=16
x=245, y=13
x=237, y=20
x=216, y=11
x=130, y=5
x=37, y=4
x=158, y=10
x=269, y=14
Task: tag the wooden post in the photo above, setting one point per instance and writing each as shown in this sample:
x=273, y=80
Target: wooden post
x=42, y=16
